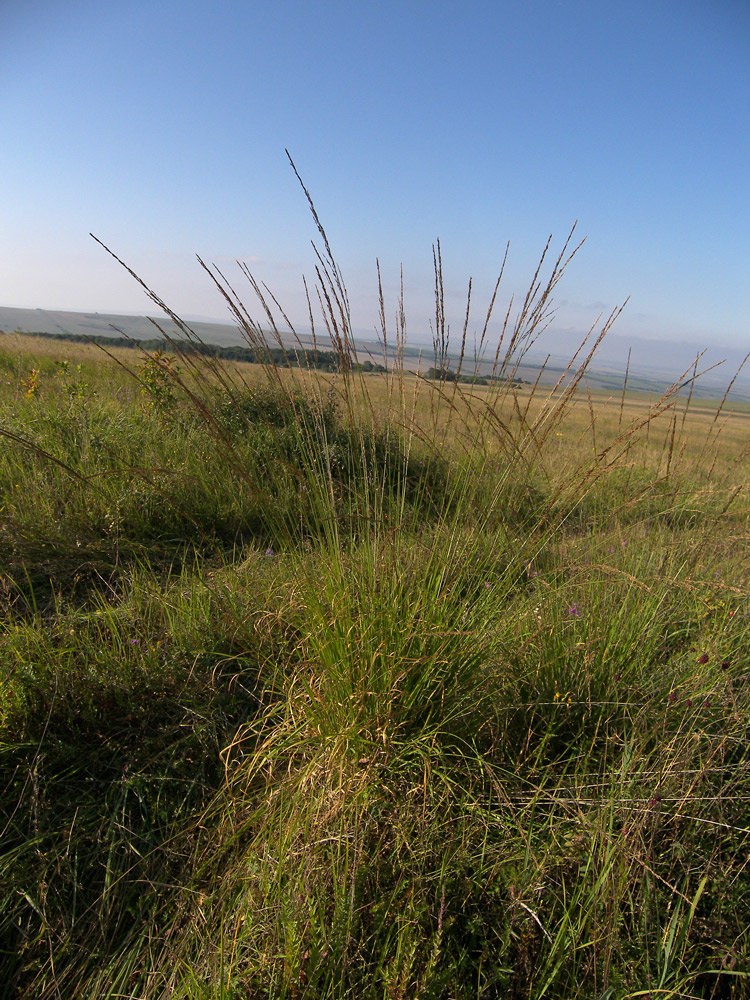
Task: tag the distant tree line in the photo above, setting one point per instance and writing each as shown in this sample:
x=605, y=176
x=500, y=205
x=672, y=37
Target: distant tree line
x=447, y=375
x=327, y=361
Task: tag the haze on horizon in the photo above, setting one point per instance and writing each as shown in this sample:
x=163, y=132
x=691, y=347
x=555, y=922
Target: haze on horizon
x=161, y=128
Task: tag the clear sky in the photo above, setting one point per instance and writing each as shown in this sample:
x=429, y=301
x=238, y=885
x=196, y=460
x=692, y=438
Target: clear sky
x=160, y=126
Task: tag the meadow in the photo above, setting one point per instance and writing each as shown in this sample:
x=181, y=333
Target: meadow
x=334, y=685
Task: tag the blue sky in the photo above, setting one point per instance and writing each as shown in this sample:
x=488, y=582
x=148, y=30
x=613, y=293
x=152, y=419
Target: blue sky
x=160, y=126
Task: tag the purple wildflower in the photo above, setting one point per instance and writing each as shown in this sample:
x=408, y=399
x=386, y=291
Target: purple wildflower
x=574, y=610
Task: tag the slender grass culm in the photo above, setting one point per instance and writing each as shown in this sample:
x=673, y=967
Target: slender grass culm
x=364, y=683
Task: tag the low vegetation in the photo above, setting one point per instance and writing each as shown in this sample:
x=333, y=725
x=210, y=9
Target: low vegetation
x=368, y=685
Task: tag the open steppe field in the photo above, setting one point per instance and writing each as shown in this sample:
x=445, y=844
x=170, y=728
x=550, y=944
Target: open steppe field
x=362, y=685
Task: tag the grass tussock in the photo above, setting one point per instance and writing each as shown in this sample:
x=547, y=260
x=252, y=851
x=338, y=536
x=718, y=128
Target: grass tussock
x=368, y=685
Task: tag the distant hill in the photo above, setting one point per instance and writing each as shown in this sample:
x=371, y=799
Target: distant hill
x=654, y=365
x=108, y=325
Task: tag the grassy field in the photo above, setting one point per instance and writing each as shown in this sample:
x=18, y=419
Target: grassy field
x=365, y=686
